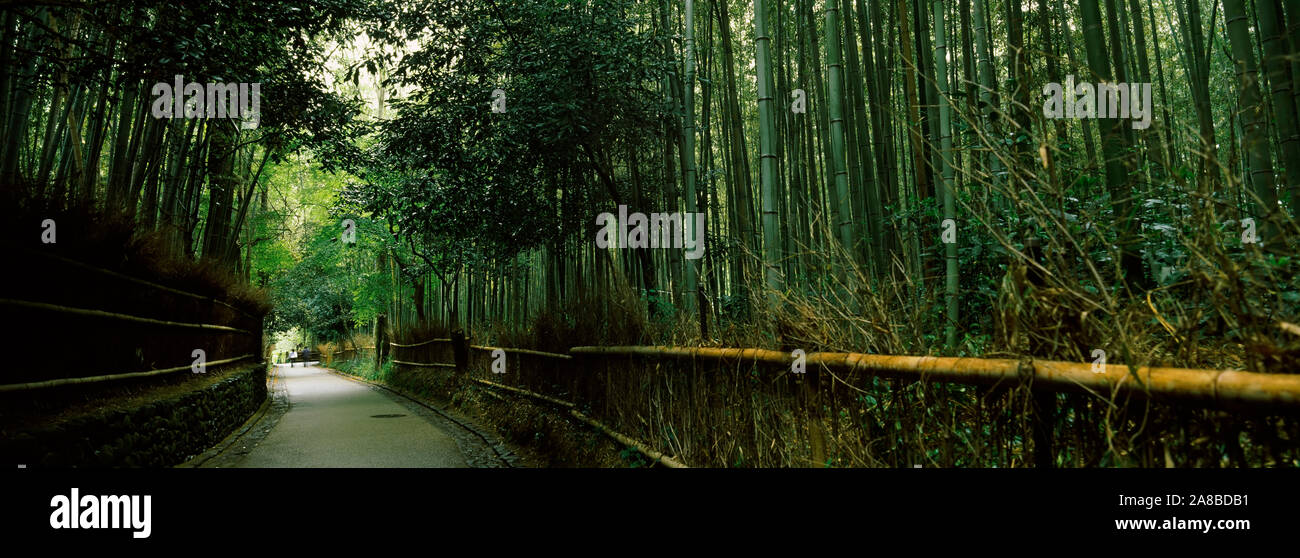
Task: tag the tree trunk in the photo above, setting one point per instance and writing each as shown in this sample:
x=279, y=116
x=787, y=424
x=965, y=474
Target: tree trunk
x=767, y=171
x=690, y=271
x=945, y=141
x=1114, y=146
x=1277, y=51
x=1254, y=126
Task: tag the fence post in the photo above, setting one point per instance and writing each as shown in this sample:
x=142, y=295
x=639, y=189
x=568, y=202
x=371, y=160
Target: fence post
x=812, y=396
x=261, y=340
x=460, y=351
x=381, y=342
x=1044, y=407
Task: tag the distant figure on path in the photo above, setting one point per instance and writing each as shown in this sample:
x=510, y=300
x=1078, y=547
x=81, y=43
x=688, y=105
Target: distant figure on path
x=293, y=355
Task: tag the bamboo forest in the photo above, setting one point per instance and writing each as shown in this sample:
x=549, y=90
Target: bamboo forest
x=651, y=233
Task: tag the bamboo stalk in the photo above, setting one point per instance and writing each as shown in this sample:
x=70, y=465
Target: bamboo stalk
x=526, y=393
x=1289, y=328
x=522, y=351
x=1216, y=386
x=706, y=353
x=425, y=364
x=109, y=377
x=617, y=436
x=115, y=316
x=435, y=340
x=626, y=440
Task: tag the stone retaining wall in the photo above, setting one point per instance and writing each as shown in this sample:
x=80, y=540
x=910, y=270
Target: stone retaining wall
x=162, y=433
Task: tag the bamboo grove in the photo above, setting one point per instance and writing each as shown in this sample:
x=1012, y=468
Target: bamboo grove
x=81, y=142
x=831, y=146
x=877, y=176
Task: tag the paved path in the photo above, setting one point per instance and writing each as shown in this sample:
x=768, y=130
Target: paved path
x=336, y=422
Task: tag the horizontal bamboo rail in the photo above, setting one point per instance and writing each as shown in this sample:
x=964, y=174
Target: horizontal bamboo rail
x=110, y=377
x=524, y=392
x=1215, y=386
x=573, y=411
x=522, y=351
x=425, y=364
x=115, y=316
x=626, y=440
x=434, y=340
x=351, y=350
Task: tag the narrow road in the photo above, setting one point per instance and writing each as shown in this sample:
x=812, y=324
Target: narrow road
x=325, y=420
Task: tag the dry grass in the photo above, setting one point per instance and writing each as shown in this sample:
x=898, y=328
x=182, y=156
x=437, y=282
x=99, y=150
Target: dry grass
x=115, y=242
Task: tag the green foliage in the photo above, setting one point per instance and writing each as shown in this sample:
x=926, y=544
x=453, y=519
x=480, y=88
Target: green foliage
x=365, y=368
x=634, y=458
x=320, y=283
x=459, y=184
x=334, y=286
x=660, y=305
